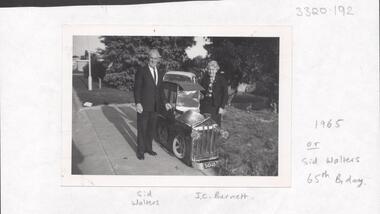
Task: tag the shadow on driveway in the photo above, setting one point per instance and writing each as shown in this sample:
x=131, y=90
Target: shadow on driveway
x=76, y=159
x=118, y=120
x=131, y=114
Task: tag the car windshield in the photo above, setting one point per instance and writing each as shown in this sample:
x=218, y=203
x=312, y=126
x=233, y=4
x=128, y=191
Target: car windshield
x=177, y=78
x=187, y=99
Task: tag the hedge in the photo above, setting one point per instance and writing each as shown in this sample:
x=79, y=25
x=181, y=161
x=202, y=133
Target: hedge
x=122, y=81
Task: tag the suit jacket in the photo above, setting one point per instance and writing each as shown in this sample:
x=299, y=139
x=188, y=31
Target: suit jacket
x=146, y=91
x=219, y=90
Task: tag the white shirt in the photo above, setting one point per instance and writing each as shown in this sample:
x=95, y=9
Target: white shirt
x=155, y=72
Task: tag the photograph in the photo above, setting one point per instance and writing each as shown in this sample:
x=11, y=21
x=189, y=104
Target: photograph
x=168, y=105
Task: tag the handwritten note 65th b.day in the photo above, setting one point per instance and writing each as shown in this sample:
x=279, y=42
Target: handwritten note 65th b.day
x=191, y=107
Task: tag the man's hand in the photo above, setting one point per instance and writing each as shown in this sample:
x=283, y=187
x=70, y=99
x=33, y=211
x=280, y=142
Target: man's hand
x=139, y=108
x=201, y=97
x=168, y=106
x=222, y=111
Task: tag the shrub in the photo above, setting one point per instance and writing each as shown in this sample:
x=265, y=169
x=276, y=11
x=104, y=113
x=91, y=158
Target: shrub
x=252, y=149
x=122, y=81
x=97, y=70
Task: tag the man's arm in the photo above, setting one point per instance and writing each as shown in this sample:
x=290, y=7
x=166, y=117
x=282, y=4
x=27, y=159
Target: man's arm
x=137, y=90
x=203, y=84
x=164, y=100
x=137, y=86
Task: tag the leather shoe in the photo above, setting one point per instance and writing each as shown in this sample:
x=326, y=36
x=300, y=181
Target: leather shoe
x=152, y=153
x=140, y=156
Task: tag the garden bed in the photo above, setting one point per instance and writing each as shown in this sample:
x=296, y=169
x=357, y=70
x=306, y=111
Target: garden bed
x=252, y=148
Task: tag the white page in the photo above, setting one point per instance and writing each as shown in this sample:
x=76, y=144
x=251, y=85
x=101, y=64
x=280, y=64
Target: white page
x=335, y=75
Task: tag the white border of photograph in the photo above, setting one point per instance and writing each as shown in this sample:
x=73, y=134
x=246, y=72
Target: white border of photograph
x=285, y=88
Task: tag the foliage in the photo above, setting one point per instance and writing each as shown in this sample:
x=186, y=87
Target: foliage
x=252, y=148
x=122, y=81
x=128, y=53
x=196, y=65
x=97, y=68
x=249, y=60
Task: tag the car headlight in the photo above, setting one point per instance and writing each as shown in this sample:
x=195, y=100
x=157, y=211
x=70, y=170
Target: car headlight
x=195, y=134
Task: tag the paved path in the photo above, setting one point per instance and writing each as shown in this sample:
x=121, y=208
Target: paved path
x=104, y=143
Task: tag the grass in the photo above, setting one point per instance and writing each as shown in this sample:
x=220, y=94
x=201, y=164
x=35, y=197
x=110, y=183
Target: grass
x=246, y=100
x=105, y=95
x=252, y=148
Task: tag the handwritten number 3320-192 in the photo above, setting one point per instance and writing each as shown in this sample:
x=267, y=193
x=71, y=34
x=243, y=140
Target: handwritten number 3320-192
x=337, y=10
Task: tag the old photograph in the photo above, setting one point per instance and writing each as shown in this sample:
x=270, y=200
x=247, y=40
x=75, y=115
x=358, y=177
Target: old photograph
x=168, y=105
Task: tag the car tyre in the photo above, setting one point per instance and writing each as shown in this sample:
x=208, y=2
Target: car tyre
x=181, y=148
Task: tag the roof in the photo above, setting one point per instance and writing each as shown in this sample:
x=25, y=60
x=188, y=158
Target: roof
x=188, y=86
x=183, y=73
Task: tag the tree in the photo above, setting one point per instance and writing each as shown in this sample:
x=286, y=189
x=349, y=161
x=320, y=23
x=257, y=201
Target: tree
x=128, y=53
x=248, y=59
x=97, y=68
x=196, y=65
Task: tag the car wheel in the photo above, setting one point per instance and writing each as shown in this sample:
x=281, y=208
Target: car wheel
x=182, y=149
x=162, y=134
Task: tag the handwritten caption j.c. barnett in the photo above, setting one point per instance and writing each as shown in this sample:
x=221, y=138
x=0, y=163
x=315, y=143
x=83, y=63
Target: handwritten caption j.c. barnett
x=217, y=195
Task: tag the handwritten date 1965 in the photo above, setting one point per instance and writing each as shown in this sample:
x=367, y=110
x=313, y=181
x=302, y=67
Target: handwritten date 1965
x=328, y=124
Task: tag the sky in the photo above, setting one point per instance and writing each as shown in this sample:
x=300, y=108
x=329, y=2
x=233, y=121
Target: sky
x=197, y=49
x=92, y=43
x=82, y=43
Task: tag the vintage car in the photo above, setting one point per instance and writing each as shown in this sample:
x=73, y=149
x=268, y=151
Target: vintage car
x=190, y=136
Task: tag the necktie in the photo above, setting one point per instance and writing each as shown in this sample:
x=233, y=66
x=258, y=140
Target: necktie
x=154, y=75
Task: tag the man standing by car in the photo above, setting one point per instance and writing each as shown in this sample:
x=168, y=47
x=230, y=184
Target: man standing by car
x=146, y=93
x=215, y=95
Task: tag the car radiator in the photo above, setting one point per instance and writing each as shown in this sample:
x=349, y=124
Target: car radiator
x=205, y=147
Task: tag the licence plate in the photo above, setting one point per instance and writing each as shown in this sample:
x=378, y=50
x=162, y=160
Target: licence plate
x=210, y=164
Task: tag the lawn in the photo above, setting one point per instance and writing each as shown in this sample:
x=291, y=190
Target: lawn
x=105, y=95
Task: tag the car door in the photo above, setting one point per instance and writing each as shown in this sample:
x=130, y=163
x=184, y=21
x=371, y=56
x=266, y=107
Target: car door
x=168, y=95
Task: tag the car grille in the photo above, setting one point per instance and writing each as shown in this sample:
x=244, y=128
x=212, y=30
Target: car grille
x=205, y=147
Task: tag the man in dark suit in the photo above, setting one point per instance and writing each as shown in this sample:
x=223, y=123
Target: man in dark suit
x=215, y=95
x=147, y=81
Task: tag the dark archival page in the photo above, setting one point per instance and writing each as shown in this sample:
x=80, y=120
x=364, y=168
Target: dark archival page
x=55, y=3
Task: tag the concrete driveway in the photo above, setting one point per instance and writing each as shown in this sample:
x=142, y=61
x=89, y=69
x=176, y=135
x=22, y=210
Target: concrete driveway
x=104, y=143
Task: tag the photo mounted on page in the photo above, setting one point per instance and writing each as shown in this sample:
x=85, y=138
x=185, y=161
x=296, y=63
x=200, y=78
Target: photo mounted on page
x=175, y=105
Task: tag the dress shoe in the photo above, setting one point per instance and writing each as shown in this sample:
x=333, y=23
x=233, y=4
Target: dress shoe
x=140, y=156
x=152, y=153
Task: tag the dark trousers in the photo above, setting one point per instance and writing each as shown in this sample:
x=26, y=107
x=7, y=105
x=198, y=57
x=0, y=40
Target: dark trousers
x=207, y=107
x=146, y=127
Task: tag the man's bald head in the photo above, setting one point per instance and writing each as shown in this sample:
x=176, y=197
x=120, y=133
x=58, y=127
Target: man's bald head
x=154, y=57
x=154, y=53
